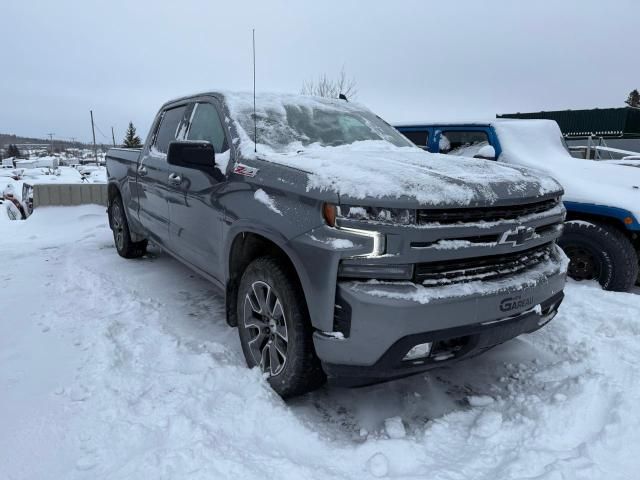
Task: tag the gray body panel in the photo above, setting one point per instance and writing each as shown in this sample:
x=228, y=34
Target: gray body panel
x=198, y=220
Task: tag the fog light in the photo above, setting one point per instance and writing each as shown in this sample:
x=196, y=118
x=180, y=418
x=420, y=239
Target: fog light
x=350, y=269
x=422, y=350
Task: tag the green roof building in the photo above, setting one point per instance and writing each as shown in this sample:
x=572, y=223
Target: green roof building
x=603, y=122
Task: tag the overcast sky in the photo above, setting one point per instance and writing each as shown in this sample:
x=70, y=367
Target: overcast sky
x=411, y=59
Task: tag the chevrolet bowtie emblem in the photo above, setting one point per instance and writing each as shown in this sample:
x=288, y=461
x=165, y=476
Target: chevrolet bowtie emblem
x=517, y=236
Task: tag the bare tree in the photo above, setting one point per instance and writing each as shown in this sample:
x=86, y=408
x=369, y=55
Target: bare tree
x=633, y=100
x=331, y=88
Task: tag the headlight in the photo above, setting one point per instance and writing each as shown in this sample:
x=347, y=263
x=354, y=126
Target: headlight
x=393, y=216
x=330, y=213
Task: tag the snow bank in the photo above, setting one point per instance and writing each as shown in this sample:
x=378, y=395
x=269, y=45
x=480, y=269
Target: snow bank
x=126, y=369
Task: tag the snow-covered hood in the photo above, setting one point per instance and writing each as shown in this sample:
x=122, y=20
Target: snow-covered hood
x=538, y=144
x=373, y=172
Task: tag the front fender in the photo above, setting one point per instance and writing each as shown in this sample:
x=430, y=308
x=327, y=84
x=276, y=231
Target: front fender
x=315, y=259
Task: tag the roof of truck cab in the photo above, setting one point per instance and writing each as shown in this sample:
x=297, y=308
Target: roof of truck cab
x=217, y=94
x=220, y=94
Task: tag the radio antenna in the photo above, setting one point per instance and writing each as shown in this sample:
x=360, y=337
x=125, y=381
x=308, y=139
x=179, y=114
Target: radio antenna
x=255, y=122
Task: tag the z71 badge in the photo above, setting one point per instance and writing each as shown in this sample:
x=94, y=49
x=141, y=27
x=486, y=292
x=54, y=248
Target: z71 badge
x=246, y=170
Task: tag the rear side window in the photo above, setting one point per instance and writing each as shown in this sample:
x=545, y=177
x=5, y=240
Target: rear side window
x=168, y=130
x=206, y=125
x=464, y=143
x=420, y=138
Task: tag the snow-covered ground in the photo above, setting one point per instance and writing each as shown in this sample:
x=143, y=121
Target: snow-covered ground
x=125, y=369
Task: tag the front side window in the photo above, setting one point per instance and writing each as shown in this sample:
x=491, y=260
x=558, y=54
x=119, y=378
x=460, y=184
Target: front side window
x=419, y=137
x=169, y=128
x=463, y=143
x=206, y=125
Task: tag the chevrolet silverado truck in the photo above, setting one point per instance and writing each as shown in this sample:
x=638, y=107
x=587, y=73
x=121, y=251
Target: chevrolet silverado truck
x=341, y=249
x=602, y=198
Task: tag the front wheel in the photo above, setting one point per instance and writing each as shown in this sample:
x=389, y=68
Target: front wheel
x=274, y=328
x=600, y=252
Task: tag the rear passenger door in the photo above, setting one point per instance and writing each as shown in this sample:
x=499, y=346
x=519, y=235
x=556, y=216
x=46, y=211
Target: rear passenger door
x=153, y=174
x=195, y=212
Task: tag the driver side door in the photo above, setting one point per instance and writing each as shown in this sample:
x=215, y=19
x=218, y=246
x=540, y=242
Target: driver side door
x=152, y=175
x=195, y=212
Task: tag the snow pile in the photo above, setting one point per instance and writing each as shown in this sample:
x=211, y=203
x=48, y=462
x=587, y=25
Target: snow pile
x=381, y=164
x=112, y=368
x=538, y=144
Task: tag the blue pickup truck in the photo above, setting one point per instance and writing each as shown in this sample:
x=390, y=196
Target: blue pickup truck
x=602, y=232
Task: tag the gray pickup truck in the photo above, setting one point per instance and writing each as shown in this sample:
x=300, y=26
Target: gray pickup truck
x=342, y=250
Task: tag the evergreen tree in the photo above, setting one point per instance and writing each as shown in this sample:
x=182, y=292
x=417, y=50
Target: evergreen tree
x=633, y=100
x=131, y=140
x=12, y=151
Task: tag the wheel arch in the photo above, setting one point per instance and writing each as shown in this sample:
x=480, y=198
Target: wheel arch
x=244, y=246
x=621, y=219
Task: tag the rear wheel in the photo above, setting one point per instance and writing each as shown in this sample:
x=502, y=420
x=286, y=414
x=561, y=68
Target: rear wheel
x=126, y=247
x=274, y=328
x=600, y=252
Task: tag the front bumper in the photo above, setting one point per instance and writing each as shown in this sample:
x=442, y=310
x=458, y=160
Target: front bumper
x=385, y=320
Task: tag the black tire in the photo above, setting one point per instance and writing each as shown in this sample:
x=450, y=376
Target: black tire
x=600, y=252
x=126, y=247
x=277, y=339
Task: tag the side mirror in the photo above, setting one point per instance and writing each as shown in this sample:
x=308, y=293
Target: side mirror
x=194, y=154
x=487, y=152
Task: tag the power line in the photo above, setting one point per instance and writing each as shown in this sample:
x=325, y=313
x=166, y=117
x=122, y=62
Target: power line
x=101, y=132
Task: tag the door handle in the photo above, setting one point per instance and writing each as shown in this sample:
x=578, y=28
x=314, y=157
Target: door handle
x=142, y=170
x=175, y=179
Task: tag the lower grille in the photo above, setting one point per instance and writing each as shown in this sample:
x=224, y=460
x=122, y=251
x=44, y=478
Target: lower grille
x=485, y=268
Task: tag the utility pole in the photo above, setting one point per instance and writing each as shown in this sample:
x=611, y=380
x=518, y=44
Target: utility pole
x=113, y=137
x=50, y=135
x=93, y=130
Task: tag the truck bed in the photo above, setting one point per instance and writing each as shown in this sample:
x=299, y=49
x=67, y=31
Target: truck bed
x=124, y=154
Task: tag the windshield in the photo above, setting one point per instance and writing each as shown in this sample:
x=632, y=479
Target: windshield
x=290, y=123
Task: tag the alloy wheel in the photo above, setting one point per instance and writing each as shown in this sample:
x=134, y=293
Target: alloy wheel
x=266, y=325
x=118, y=225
